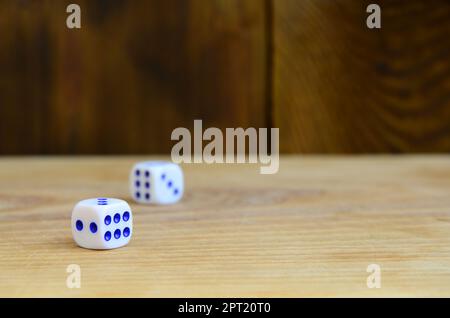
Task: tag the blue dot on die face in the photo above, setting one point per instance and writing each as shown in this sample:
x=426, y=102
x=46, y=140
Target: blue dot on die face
x=107, y=220
x=147, y=174
x=126, y=232
x=138, y=173
x=175, y=191
x=163, y=176
x=116, y=218
x=117, y=234
x=79, y=225
x=107, y=235
x=147, y=185
x=138, y=183
x=169, y=184
x=102, y=201
x=93, y=227
x=147, y=196
x=126, y=216
x=138, y=194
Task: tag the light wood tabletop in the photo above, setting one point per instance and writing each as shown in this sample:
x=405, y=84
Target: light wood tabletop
x=310, y=230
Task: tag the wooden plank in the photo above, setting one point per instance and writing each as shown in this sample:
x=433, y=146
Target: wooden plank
x=340, y=87
x=310, y=230
x=134, y=72
x=25, y=62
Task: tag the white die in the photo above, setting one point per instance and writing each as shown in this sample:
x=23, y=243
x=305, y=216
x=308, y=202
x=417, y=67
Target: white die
x=102, y=223
x=156, y=182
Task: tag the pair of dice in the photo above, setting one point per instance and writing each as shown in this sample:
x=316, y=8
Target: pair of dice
x=107, y=223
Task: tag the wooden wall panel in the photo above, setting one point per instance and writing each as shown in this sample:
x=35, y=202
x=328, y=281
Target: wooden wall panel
x=138, y=69
x=25, y=63
x=340, y=87
x=134, y=72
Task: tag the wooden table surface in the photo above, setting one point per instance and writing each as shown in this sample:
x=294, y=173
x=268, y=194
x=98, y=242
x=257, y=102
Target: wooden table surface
x=310, y=230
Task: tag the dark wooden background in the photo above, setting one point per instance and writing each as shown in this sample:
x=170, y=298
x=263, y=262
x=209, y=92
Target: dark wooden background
x=138, y=69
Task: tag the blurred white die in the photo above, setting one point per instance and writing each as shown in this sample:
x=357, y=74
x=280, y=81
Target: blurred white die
x=156, y=182
x=102, y=223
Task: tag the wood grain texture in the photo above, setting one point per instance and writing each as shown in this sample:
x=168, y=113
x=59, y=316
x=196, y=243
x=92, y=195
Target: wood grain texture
x=134, y=71
x=310, y=230
x=340, y=87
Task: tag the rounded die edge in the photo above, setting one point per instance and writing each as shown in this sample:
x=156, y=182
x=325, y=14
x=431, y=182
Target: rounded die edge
x=106, y=246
